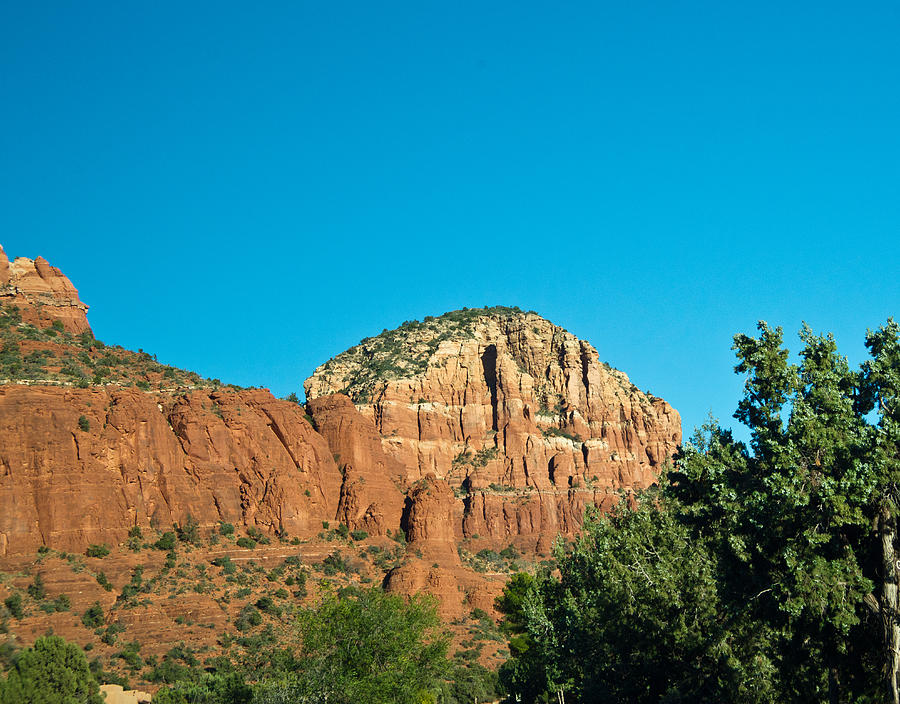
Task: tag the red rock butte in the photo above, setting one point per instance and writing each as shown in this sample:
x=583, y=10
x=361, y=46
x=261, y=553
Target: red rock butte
x=516, y=415
x=490, y=428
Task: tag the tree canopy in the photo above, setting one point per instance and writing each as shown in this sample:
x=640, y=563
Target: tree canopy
x=754, y=574
x=52, y=671
x=366, y=647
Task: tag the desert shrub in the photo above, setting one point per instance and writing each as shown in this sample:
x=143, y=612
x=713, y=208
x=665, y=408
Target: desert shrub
x=166, y=541
x=189, y=532
x=226, y=563
x=93, y=616
x=59, y=604
x=248, y=617
x=84, y=424
x=335, y=563
x=97, y=551
x=103, y=581
x=13, y=604
x=36, y=589
x=130, y=655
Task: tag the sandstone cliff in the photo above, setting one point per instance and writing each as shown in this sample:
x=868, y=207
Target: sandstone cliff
x=436, y=457
x=83, y=466
x=446, y=447
x=42, y=293
x=517, y=415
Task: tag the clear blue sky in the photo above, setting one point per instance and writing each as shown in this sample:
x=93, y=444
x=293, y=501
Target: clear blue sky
x=247, y=189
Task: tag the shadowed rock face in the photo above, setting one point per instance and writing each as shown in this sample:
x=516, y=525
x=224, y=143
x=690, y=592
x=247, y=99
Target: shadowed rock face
x=371, y=496
x=516, y=414
x=42, y=293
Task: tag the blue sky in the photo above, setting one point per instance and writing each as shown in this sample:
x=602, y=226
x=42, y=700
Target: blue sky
x=248, y=190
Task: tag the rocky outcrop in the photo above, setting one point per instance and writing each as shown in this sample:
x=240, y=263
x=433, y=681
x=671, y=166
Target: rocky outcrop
x=42, y=293
x=372, y=493
x=517, y=415
x=448, y=442
x=82, y=466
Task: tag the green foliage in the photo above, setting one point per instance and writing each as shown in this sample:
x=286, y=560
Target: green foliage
x=52, y=671
x=111, y=634
x=97, y=551
x=561, y=433
x=93, y=616
x=245, y=542
x=334, y=563
x=134, y=586
x=103, y=581
x=638, y=601
x=59, y=604
x=750, y=574
x=131, y=655
x=248, y=618
x=166, y=541
x=405, y=351
x=369, y=647
x=36, y=589
x=226, y=563
x=84, y=424
x=207, y=688
x=189, y=532
x=471, y=682
x=226, y=529
x=13, y=604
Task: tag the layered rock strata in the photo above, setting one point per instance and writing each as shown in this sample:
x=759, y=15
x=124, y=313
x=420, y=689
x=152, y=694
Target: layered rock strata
x=477, y=429
x=516, y=414
x=83, y=466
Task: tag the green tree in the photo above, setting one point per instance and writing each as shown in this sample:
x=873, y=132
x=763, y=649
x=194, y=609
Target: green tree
x=789, y=592
x=210, y=689
x=880, y=391
x=369, y=647
x=13, y=604
x=632, y=616
x=52, y=671
x=788, y=519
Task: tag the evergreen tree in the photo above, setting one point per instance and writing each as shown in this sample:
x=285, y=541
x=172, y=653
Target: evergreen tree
x=765, y=573
x=52, y=671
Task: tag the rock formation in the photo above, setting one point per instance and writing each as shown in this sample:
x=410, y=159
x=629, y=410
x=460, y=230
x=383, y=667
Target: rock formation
x=82, y=466
x=517, y=415
x=42, y=293
x=373, y=482
x=475, y=432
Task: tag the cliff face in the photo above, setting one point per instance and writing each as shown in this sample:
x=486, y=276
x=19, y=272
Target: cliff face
x=82, y=466
x=516, y=414
x=443, y=445
x=451, y=450
x=371, y=496
x=42, y=293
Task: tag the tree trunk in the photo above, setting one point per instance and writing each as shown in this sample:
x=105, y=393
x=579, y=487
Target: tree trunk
x=887, y=529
